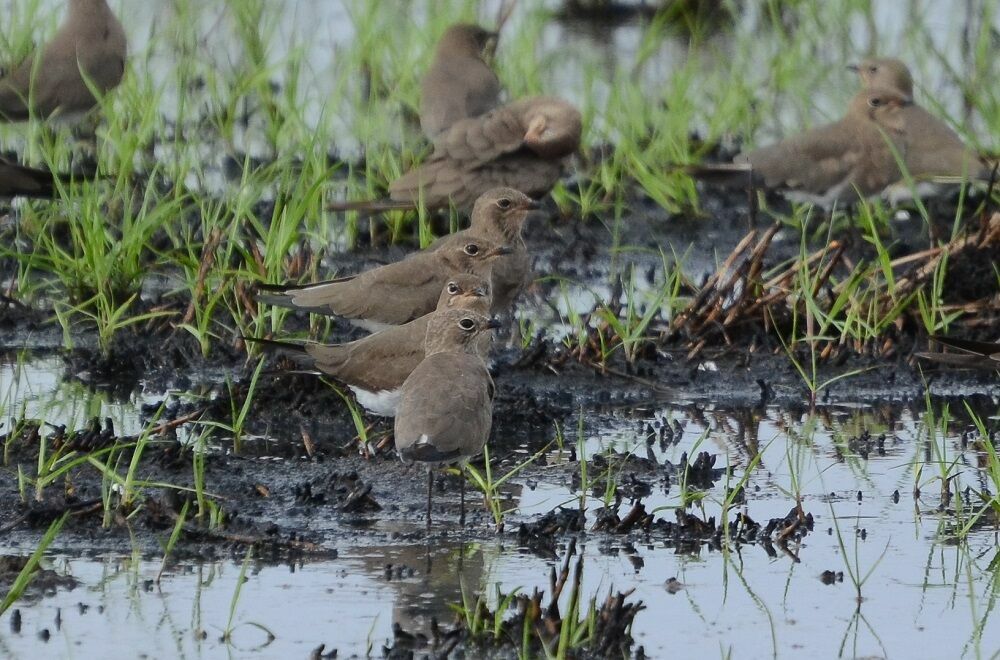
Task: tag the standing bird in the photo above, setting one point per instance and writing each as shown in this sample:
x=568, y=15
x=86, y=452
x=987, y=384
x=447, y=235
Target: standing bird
x=521, y=145
x=459, y=83
x=831, y=164
x=446, y=406
x=87, y=51
x=393, y=294
x=971, y=354
x=499, y=215
x=376, y=366
x=933, y=149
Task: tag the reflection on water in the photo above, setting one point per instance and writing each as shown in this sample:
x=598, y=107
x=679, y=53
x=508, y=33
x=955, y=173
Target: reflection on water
x=860, y=488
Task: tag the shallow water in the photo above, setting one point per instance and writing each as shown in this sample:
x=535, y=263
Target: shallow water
x=918, y=583
x=924, y=594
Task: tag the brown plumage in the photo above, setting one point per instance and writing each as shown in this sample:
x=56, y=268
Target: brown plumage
x=459, y=83
x=394, y=294
x=835, y=163
x=20, y=181
x=521, y=145
x=375, y=366
x=90, y=40
x=499, y=215
x=933, y=149
x=971, y=354
x=446, y=405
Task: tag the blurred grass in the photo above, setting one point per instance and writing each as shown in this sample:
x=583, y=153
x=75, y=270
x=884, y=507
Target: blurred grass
x=240, y=120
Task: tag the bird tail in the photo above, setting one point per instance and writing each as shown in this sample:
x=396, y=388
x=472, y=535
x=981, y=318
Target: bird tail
x=370, y=205
x=976, y=354
x=292, y=350
x=721, y=174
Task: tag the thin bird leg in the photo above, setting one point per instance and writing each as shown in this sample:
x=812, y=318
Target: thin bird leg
x=430, y=486
x=461, y=490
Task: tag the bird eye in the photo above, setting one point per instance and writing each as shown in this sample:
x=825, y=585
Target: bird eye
x=874, y=101
x=452, y=288
x=467, y=324
x=872, y=69
x=472, y=249
x=504, y=203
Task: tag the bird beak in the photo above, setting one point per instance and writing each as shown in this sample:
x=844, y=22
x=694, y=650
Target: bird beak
x=493, y=324
x=501, y=251
x=531, y=205
x=479, y=292
x=853, y=67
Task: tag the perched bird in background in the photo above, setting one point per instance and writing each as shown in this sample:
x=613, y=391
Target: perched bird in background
x=446, y=404
x=460, y=82
x=831, y=164
x=499, y=215
x=971, y=354
x=88, y=50
x=396, y=293
x=20, y=181
x=932, y=149
x=521, y=145
x=375, y=366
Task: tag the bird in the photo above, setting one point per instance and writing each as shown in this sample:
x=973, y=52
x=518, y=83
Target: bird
x=499, y=215
x=460, y=83
x=87, y=51
x=933, y=149
x=971, y=354
x=835, y=163
x=521, y=145
x=21, y=181
x=375, y=366
x=393, y=294
x=446, y=404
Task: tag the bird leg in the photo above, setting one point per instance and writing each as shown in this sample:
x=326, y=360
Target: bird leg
x=430, y=487
x=461, y=490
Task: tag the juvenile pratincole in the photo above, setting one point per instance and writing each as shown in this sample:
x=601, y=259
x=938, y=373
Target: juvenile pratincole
x=499, y=215
x=933, y=149
x=376, y=366
x=87, y=51
x=459, y=83
x=522, y=145
x=446, y=406
x=394, y=294
x=971, y=354
x=835, y=163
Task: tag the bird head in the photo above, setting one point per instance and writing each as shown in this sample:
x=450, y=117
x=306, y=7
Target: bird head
x=884, y=72
x=501, y=212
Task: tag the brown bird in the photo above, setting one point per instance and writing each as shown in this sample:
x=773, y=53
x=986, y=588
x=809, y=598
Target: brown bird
x=376, y=366
x=460, y=82
x=396, y=293
x=446, y=405
x=830, y=164
x=971, y=354
x=499, y=215
x=522, y=145
x=20, y=181
x=88, y=50
x=933, y=149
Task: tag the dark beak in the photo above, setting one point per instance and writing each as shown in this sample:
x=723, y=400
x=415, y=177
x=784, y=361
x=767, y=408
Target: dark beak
x=480, y=292
x=853, y=67
x=532, y=205
x=493, y=324
x=502, y=250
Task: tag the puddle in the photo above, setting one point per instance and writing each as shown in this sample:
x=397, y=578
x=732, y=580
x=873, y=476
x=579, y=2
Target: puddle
x=917, y=584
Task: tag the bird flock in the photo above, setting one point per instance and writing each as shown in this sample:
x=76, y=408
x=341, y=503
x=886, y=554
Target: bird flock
x=433, y=314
